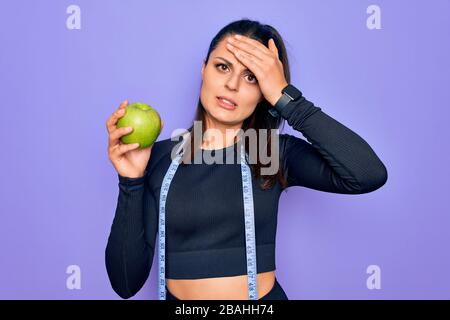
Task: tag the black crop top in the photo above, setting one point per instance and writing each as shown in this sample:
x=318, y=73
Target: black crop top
x=205, y=234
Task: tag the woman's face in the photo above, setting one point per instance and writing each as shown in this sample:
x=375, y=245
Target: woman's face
x=224, y=75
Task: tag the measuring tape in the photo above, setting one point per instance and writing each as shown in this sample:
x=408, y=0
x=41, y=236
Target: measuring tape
x=249, y=222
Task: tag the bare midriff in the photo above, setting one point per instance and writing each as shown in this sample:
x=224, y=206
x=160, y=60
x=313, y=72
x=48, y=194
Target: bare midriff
x=221, y=288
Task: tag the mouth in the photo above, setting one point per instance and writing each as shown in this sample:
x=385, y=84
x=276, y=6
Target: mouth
x=226, y=103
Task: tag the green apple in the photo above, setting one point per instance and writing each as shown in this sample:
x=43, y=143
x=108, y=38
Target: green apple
x=144, y=120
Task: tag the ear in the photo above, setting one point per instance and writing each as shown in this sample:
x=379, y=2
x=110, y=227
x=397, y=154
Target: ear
x=203, y=68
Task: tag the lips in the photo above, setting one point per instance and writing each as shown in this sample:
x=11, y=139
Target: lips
x=228, y=99
x=225, y=105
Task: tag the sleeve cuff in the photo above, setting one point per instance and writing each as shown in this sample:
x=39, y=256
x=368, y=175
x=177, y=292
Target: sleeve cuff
x=127, y=181
x=300, y=110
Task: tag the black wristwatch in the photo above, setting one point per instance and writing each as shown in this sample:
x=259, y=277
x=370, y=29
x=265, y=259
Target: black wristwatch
x=290, y=93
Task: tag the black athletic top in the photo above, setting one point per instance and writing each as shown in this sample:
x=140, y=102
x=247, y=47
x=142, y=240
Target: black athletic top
x=205, y=234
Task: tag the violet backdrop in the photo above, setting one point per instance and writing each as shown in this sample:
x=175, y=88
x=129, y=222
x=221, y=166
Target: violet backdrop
x=390, y=85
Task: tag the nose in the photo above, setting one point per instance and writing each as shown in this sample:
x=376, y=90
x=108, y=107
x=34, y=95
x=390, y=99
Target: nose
x=233, y=82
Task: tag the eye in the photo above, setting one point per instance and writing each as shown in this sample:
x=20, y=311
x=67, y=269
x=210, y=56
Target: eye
x=220, y=65
x=252, y=76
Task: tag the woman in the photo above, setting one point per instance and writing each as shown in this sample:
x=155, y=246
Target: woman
x=202, y=204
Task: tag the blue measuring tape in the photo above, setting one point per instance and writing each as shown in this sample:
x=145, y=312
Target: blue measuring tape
x=249, y=222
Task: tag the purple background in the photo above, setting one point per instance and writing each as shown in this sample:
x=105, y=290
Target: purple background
x=58, y=87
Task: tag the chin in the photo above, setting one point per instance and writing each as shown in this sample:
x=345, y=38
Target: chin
x=223, y=117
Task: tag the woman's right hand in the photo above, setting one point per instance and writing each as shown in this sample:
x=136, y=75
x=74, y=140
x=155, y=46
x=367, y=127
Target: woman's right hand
x=128, y=160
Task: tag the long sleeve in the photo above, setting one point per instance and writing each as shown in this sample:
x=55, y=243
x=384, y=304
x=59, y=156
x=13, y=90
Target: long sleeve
x=131, y=243
x=336, y=159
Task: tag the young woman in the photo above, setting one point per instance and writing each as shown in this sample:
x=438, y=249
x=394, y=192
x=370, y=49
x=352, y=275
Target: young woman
x=216, y=227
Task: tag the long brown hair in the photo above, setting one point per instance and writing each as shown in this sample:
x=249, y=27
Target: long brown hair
x=260, y=118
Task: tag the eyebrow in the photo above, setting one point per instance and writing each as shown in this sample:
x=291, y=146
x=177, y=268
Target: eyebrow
x=229, y=63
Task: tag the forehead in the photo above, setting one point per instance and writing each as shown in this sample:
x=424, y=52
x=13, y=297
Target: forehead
x=221, y=53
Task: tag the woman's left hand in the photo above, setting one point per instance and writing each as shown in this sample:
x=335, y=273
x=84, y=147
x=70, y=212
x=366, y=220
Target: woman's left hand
x=263, y=62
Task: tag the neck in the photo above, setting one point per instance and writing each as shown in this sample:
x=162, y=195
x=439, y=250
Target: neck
x=227, y=133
